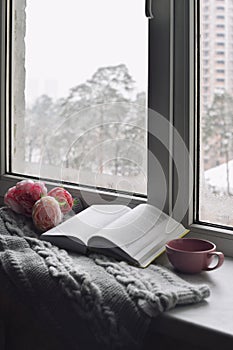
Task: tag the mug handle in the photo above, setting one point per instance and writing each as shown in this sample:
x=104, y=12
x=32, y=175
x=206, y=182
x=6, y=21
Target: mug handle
x=219, y=263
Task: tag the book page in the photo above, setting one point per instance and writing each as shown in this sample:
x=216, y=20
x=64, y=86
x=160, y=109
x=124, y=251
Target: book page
x=139, y=233
x=87, y=222
x=154, y=241
x=131, y=227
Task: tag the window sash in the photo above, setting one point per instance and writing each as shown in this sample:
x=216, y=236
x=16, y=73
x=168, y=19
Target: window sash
x=163, y=26
x=222, y=237
x=6, y=166
x=3, y=87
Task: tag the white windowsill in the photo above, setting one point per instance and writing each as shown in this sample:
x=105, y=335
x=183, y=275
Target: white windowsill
x=207, y=324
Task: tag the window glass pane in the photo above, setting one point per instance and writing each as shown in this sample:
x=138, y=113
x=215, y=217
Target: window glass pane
x=216, y=111
x=79, y=82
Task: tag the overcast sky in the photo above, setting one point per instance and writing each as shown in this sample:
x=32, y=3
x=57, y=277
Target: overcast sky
x=68, y=40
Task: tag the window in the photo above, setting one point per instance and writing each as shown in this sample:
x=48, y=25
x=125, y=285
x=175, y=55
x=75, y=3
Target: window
x=175, y=92
x=80, y=107
x=71, y=83
x=216, y=130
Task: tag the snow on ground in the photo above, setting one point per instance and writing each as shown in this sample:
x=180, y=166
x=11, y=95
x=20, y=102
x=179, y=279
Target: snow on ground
x=216, y=177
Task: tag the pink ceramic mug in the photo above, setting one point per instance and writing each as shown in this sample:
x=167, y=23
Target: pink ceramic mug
x=191, y=255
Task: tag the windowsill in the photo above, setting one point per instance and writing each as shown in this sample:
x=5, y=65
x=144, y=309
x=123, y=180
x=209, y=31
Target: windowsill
x=208, y=323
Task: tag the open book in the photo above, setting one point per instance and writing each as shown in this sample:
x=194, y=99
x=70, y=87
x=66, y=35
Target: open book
x=137, y=235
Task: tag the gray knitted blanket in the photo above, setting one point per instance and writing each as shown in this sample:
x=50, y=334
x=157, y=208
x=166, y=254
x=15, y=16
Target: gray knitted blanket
x=83, y=299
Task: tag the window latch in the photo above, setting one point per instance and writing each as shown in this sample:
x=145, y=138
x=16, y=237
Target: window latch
x=149, y=12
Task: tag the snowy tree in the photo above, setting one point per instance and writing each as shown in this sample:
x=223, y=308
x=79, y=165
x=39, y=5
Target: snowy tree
x=217, y=130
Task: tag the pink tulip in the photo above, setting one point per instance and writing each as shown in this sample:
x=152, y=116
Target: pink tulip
x=23, y=196
x=46, y=213
x=63, y=197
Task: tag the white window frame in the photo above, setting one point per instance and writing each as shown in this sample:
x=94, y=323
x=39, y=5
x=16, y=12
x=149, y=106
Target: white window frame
x=171, y=92
x=223, y=238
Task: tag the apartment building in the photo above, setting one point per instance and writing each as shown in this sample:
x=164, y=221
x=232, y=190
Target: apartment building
x=217, y=49
x=216, y=68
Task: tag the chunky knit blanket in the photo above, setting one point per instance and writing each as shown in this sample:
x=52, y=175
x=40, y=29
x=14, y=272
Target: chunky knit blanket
x=87, y=300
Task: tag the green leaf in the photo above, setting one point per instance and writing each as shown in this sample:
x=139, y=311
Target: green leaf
x=76, y=201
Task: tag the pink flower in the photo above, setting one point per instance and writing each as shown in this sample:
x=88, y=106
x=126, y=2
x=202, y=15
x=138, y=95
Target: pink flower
x=46, y=213
x=23, y=196
x=63, y=197
x=11, y=202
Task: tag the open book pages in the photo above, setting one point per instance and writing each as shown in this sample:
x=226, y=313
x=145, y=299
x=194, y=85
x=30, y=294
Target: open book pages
x=138, y=235
x=79, y=228
x=141, y=233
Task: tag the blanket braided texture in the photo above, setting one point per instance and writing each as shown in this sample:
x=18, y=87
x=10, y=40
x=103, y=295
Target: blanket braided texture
x=87, y=300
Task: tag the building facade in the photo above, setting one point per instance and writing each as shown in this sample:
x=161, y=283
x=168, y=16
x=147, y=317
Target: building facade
x=216, y=49
x=216, y=68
